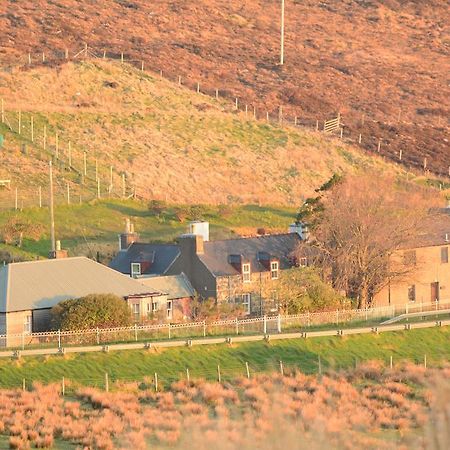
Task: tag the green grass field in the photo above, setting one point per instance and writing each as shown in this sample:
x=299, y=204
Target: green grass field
x=170, y=364
x=92, y=227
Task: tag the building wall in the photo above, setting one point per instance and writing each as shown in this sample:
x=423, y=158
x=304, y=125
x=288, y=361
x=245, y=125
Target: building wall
x=145, y=308
x=2, y=323
x=41, y=320
x=429, y=269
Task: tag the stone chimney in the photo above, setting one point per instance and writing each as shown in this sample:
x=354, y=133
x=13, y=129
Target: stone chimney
x=58, y=253
x=191, y=244
x=128, y=237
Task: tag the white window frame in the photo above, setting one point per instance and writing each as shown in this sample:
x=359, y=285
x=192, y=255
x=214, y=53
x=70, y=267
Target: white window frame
x=303, y=261
x=133, y=272
x=154, y=306
x=246, y=273
x=136, y=310
x=169, y=309
x=28, y=324
x=246, y=302
x=274, y=270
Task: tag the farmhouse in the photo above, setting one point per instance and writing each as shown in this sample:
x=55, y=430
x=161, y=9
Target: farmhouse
x=428, y=279
x=28, y=291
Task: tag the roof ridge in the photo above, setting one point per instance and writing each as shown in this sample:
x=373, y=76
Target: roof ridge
x=251, y=237
x=48, y=260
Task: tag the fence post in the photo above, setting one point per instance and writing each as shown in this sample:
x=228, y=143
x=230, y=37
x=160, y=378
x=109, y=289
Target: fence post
x=24, y=385
x=265, y=324
x=217, y=94
x=391, y=362
x=247, y=369
x=204, y=328
x=281, y=368
x=219, y=378
x=279, y=323
x=320, y=365
x=156, y=382
x=198, y=88
x=106, y=382
x=187, y=375
x=237, y=326
x=63, y=387
x=121, y=57
x=135, y=332
x=59, y=338
x=169, y=330
x=98, y=336
x=425, y=361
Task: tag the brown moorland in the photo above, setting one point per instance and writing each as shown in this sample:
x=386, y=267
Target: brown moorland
x=383, y=64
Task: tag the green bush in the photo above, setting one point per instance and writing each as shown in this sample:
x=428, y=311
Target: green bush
x=92, y=311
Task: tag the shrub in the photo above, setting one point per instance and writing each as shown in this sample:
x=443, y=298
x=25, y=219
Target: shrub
x=96, y=310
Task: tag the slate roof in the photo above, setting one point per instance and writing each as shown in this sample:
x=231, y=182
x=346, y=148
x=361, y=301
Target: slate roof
x=277, y=246
x=161, y=255
x=176, y=286
x=43, y=284
x=437, y=231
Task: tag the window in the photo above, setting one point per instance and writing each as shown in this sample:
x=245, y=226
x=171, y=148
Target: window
x=169, y=309
x=246, y=301
x=135, y=309
x=410, y=258
x=154, y=306
x=135, y=269
x=444, y=255
x=274, y=267
x=27, y=324
x=246, y=275
x=303, y=261
x=412, y=293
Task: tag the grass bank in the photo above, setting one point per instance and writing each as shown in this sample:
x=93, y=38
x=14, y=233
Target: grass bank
x=171, y=364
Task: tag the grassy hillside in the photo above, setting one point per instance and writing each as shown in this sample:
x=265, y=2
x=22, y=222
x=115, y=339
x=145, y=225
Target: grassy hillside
x=382, y=63
x=170, y=364
x=88, y=228
x=170, y=142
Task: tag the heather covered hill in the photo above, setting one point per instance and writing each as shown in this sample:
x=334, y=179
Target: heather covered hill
x=382, y=63
x=173, y=144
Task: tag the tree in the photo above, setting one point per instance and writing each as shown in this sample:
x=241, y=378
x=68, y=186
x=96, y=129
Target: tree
x=92, y=311
x=361, y=223
x=16, y=229
x=302, y=289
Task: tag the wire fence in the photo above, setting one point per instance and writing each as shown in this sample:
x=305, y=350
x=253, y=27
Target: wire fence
x=377, y=144
x=230, y=327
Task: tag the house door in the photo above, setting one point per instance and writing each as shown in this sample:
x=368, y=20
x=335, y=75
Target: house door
x=435, y=291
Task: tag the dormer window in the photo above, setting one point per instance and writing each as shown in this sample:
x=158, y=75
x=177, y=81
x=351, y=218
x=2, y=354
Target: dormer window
x=135, y=269
x=274, y=270
x=246, y=274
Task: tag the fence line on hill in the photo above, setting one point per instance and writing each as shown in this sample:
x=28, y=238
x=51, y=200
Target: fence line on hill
x=277, y=117
x=229, y=327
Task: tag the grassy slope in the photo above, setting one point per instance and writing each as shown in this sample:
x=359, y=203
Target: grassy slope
x=171, y=364
x=173, y=144
x=88, y=228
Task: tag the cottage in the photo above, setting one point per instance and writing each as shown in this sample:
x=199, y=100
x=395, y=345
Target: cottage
x=28, y=291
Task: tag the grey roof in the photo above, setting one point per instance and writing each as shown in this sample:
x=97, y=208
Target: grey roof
x=43, y=284
x=161, y=255
x=176, y=286
x=436, y=231
x=276, y=246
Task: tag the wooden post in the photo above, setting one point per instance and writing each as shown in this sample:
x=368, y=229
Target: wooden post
x=425, y=361
x=237, y=326
x=156, y=382
x=424, y=163
x=43, y=57
x=247, y=369
x=198, y=88
x=379, y=145
x=400, y=154
x=265, y=324
x=32, y=129
x=24, y=385
x=391, y=362
x=295, y=120
x=187, y=375
x=121, y=57
x=179, y=80
x=219, y=378
x=280, y=115
x=246, y=110
x=360, y=138
x=281, y=368
x=204, y=328
x=217, y=94
x=142, y=66
x=56, y=146
x=44, y=144
x=20, y=122
x=282, y=34
x=63, y=387
x=106, y=382
x=66, y=55
x=254, y=112
x=317, y=125
x=84, y=164
x=40, y=196
x=342, y=132
x=267, y=116
x=135, y=332
x=104, y=54
x=236, y=103
x=29, y=59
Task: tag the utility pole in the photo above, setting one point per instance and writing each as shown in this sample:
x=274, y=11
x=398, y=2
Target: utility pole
x=282, y=34
x=52, y=213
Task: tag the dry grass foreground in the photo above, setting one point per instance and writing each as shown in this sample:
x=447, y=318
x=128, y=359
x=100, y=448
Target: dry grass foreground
x=370, y=407
x=384, y=59
x=173, y=144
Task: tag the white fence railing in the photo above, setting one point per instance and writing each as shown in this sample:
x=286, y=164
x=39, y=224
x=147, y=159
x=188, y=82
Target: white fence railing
x=256, y=325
